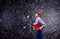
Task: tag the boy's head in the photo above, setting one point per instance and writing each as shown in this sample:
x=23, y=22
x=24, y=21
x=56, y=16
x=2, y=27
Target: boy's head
x=37, y=14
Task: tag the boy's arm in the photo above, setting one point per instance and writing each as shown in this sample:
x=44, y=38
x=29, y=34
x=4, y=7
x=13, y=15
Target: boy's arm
x=36, y=22
x=42, y=22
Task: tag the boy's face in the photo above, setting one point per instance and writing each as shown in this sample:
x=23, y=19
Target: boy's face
x=36, y=15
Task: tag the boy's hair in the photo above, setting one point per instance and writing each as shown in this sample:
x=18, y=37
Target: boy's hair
x=39, y=13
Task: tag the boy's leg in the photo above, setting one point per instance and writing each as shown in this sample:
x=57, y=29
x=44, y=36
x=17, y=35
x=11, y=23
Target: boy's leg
x=41, y=34
x=37, y=35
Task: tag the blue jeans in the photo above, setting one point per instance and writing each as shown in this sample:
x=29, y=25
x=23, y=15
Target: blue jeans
x=39, y=34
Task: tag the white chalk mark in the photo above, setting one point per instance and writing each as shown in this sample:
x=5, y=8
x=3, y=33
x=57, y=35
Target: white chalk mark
x=27, y=16
x=24, y=27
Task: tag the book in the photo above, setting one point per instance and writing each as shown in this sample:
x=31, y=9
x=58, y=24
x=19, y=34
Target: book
x=37, y=26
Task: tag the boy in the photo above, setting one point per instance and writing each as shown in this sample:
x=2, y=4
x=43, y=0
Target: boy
x=39, y=33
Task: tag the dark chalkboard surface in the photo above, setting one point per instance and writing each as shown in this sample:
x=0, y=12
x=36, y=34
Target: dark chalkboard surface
x=17, y=17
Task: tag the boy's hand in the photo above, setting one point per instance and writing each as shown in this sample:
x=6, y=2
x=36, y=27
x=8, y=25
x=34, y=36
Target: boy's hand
x=37, y=29
x=34, y=23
